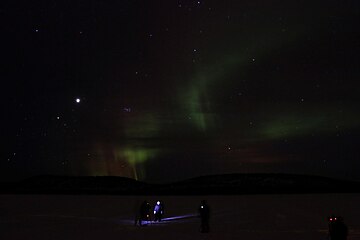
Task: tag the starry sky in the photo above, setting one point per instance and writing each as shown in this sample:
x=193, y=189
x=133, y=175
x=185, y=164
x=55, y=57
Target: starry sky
x=166, y=90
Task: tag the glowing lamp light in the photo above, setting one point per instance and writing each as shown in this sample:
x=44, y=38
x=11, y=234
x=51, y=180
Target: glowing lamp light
x=77, y=100
x=154, y=212
x=202, y=206
x=331, y=219
x=158, y=202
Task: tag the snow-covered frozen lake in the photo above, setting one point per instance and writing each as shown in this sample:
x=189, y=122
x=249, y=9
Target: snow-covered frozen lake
x=251, y=217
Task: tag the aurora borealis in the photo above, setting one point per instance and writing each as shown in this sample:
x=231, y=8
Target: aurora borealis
x=166, y=90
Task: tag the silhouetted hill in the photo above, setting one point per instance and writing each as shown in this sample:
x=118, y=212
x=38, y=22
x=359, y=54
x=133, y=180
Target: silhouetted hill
x=265, y=183
x=212, y=184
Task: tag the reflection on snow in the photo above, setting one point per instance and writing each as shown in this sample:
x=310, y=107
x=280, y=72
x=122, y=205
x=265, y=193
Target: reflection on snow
x=173, y=219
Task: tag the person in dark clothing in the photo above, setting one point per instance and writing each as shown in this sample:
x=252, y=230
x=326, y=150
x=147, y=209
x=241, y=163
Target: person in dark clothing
x=204, y=211
x=158, y=211
x=144, y=212
x=337, y=228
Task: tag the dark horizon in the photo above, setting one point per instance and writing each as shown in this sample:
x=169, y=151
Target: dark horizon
x=227, y=184
x=169, y=90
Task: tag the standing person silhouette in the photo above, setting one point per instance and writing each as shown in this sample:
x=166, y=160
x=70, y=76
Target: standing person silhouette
x=204, y=211
x=337, y=228
x=158, y=211
x=144, y=212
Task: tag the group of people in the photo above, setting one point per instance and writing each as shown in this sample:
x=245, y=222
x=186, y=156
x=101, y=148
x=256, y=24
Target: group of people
x=145, y=212
x=337, y=228
x=158, y=210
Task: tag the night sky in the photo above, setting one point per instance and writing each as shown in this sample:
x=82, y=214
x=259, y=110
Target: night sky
x=167, y=90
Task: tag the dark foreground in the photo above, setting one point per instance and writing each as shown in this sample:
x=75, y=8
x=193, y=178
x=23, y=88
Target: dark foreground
x=233, y=217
